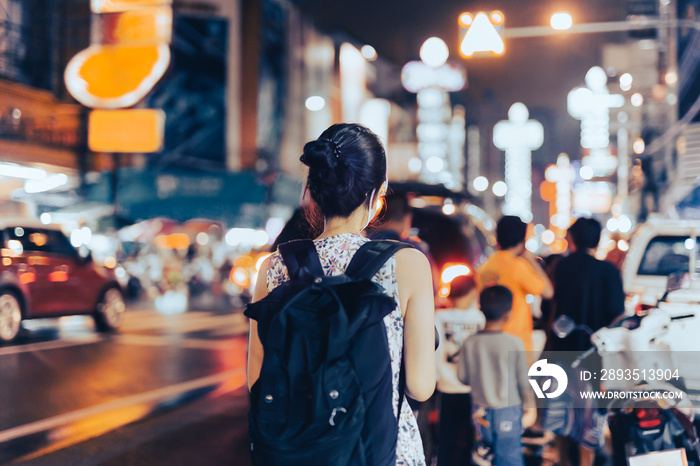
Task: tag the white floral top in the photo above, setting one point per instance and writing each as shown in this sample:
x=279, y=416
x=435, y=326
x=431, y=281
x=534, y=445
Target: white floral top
x=335, y=253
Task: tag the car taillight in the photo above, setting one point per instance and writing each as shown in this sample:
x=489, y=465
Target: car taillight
x=643, y=309
x=648, y=418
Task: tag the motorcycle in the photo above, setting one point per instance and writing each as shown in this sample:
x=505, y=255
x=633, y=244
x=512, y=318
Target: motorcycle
x=641, y=424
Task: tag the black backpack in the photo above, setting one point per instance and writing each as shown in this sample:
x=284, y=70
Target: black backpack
x=324, y=396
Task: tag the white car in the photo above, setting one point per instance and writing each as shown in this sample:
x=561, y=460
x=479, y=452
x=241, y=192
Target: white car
x=658, y=248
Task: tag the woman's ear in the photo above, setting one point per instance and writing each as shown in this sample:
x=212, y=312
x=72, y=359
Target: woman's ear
x=383, y=189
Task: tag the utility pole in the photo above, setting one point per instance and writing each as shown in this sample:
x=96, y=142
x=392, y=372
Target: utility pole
x=668, y=37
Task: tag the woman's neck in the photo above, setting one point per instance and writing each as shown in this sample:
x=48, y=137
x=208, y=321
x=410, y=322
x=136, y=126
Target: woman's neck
x=339, y=225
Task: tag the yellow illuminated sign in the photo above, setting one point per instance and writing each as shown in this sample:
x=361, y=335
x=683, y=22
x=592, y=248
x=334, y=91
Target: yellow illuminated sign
x=128, y=130
x=130, y=54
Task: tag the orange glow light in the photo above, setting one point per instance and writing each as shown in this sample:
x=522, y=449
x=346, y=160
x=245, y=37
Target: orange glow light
x=465, y=20
x=58, y=276
x=496, y=18
x=245, y=262
x=39, y=239
x=174, y=241
x=452, y=271
x=132, y=130
x=559, y=246
x=27, y=277
x=239, y=277
x=548, y=191
x=110, y=262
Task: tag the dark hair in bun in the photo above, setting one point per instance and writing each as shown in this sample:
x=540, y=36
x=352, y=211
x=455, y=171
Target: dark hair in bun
x=345, y=164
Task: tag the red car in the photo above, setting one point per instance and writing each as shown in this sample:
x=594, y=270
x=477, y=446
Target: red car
x=42, y=275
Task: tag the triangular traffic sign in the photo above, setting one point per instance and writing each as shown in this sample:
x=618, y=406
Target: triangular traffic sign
x=481, y=37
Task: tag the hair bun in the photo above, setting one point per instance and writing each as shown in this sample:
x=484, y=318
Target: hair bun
x=319, y=154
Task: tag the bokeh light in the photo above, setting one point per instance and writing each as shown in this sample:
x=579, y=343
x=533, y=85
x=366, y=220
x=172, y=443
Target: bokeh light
x=561, y=21
x=624, y=224
x=548, y=237
x=415, y=165
x=626, y=82
x=637, y=99
x=368, y=52
x=434, y=52
x=434, y=164
x=500, y=188
x=449, y=209
x=480, y=183
x=315, y=103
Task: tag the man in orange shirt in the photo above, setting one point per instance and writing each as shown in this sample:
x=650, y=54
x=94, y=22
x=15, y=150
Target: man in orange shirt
x=516, y=268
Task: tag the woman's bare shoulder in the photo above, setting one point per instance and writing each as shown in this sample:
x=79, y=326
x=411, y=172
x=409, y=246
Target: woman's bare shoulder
x=411, y=261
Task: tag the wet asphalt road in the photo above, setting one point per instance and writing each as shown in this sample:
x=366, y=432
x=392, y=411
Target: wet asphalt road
x=167, y=389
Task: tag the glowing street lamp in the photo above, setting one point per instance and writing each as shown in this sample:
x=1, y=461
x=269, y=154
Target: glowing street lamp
x=561, y=21
x=518, y=137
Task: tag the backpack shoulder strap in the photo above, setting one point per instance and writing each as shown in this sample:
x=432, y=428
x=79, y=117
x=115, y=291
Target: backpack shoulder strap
x=371, y=257
x=300, y=254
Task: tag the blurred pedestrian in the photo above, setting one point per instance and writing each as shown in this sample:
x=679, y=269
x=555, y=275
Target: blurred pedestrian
x=346, y=179
x=518, y=269
x=454, y=326
x=586, y=289
x=493, y=363
x=589, y=291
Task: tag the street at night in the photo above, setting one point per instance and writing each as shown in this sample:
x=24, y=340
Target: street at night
x=350, y=233
x=147, y=394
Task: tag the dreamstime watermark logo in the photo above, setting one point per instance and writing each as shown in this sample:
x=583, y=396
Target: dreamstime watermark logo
x=544, y=369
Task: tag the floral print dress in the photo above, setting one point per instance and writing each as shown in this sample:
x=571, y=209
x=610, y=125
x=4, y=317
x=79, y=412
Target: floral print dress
x=335, y=253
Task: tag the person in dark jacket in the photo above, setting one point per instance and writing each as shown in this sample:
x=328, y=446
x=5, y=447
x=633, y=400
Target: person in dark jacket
x=586, y=289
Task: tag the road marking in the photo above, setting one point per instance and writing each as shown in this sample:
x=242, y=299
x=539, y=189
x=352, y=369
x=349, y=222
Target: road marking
x=153, y=396
x=47, y=345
